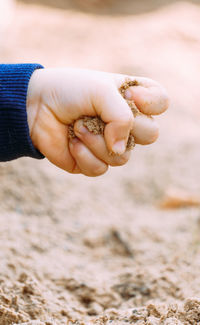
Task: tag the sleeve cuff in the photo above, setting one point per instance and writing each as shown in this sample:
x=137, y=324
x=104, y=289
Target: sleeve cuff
x=15, y=139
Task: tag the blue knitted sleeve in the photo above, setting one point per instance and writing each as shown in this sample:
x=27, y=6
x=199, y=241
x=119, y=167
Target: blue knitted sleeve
x=15, y=140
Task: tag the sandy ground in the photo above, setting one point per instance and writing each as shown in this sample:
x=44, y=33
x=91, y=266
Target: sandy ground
x=75, y=250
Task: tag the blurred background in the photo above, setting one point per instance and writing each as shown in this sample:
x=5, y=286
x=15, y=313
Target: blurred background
x=79, y=248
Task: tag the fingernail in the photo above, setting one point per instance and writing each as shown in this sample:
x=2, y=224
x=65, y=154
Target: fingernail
x=128, y=94
x=119, y=147
x=80, y=128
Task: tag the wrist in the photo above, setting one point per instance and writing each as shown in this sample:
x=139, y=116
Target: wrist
x=33, y=104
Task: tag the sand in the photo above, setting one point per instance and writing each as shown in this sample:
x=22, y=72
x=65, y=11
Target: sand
x=77, y=250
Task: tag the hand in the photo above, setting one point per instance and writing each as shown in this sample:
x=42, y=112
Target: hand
x=58, y=97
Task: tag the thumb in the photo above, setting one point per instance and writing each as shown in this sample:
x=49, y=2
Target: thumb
x=115, y=112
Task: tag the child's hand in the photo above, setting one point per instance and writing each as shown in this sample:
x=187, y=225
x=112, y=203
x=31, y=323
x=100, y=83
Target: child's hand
x=57, y=97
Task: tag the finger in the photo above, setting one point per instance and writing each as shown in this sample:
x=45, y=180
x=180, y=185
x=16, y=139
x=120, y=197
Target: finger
x=145, y=129
x=117, y=115
x=86, y=161
x=53, y=142
x=97, y=146
x=149, y=96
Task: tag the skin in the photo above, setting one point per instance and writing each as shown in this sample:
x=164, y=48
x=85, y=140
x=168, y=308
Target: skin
x=58, y=97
